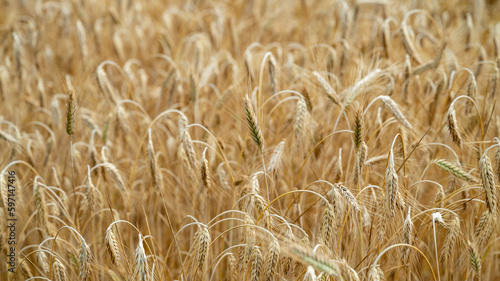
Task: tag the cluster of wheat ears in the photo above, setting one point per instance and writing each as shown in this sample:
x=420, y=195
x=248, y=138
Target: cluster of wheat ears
x=250, y=140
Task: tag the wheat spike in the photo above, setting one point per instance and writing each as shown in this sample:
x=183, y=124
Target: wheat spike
x=490, y=190
x=187, y=142
x=407, y=236
x=375, y=273
x=276, y=158
x=357, y=132
x=203, y=240
x=272, y=257
x=497, y=160
x=141, y=263
x=82, y=39
x=70, y=113
x=233, y=271
x=494, y=79
x=253, y=125
x=485, y=228
x=248, y=238
x=391, y=183
x=330, y=92
x=450, y=239
x=272, y=73
x=315, y=261
x=327, y=223
x=59, y=271
x=41, y=205
x=42, y=260
x=305, y=93
x=112, y=247
x=347, y=271
x=84, y=261
x=91, y=192
x=153, y=165
x=115, y=175
x=205, y=172
x=300, y=119
x=256, y=264
x=452, y=123
x=394, y=108
x=260, y=205
x=454, y=170
x=181, y=154
x=349, y=197
x=475, y=259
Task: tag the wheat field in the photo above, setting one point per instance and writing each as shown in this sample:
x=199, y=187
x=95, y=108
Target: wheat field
x=249, y=140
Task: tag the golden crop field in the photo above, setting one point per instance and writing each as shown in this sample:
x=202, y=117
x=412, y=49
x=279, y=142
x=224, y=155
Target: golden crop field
x=249, y=140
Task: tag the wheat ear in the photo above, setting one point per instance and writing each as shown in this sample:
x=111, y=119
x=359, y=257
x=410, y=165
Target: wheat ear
x=450, y=239
x=407, y=236
x=330, y=92
x=490, y=190
x=205, y=171
x=272, y=257
x=42, y=260
x=59, y=271
x=475, y=259
x=394, y=108
x=84, y=261
x=112, y=247
x=253, y=125
x=485, y=228
x=391, y=183
x=153, y=165
x=451, y=121
x=375, y=273
x=141, y=262
x=454, y=170
x=327, y=223
x=256, y=263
